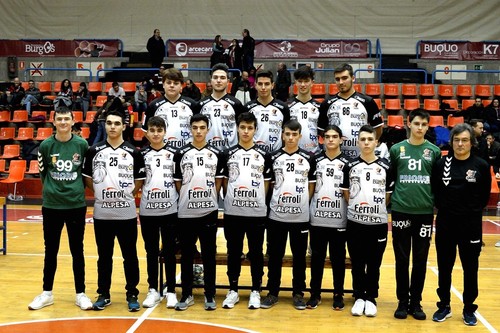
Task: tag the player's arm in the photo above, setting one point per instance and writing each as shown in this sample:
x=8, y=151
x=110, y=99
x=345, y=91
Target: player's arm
x=378, y=131
x=224, y=186
x=312, y=186
x=346, y=195
x=89, y=183
x=266, y=186
x=218, y=184
x=178, y=185
x=138, y=184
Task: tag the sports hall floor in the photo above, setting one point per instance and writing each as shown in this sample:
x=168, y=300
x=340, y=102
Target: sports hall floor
x=21, y=276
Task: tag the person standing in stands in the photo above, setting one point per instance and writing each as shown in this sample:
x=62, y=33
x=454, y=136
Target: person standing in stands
x=306, y=109
x=412, y=212
x=270, y=113
x=367, y=186
x=114, y=170
x=293, y=177
x=175, y=109
x=349, y=110
x=247, y=174
x=156, y=49
x=248, y=47
x=60, y=159
x=158, y=211
x=283, y=83
x=198, y=178
x=461, y=184
x=222, y=110
x=328, y=211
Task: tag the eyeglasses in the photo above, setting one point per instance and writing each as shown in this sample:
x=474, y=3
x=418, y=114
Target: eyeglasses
x=457, y=140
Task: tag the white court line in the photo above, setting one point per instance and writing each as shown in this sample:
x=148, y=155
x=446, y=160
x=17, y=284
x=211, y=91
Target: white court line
x=478, y=315
x=493, y=222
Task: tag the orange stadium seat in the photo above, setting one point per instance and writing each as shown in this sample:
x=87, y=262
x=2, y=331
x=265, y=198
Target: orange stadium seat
x=332, y=89
x=17, y=168
x=11, y=151
x=201, y=85
x=2, y=166
x=436, y=121
x=411, y=104
x=466, y=103
x=75, y=86
x=409, y=90
x=78, y=116
x=486, y=102
x=358, y=87
x=452, y=102
x=464, y=91
x=496, y=90
x=36, y=114
x=393, y=104
x=483, y=90
x=452, y=121
x=25, y=133
x=426, y=90
x=33, y=168
x=19, y=116
x=431, y=104
x=57, y=87
x=7, y=133
x=395, y=121
x=45, y=87
x=101, y=100
x=95, y=87
x=89, y=117
x=138, y=134
x=318, y=89
x=107, y=86
x=4, y=116
x=43, y=133
x=391, y=90
x=378, y=101
x=85, y=132
x=372, y=89
x=129, y=87
x=445, y=90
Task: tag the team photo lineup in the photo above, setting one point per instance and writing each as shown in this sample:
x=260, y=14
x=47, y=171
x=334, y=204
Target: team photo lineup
x=313, y=174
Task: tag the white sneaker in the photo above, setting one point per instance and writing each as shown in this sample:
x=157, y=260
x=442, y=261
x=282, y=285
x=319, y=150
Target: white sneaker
x=152, y=298
x=254, y=300
x=171, y=300
x=497, y=244
x=83, y=302
x=358, y=308
x=370, y=309
x=231, y=299
x=41, y=301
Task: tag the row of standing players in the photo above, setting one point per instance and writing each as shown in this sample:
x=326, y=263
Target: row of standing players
x=350, y=208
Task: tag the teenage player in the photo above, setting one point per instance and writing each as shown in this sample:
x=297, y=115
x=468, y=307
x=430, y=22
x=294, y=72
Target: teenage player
x=412, y=212
x=328, y=212
x=461, y=184
x=222, y=110
x=247, y=174
x=60, y=158
x=367, y=186
x=114, y=171
x=293, y=177
x=306, y=109
x=175, y=109
x=349, y=110
x=271, y=113
x=198, y=178
x=158, y=211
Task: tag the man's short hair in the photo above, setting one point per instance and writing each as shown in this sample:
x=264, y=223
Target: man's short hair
x=460, y=128
x=114, y=84
x=173, y=74
x=220, y=67
x=333, y=128
x=62, y=109
x=199, y=117
x=368, y=129
x=419, y=113
x=156, y=121
x=304, y=73
x=342, y=68
x=264, y=73
x=247, y=117
x=293, y=125
x=116, y=113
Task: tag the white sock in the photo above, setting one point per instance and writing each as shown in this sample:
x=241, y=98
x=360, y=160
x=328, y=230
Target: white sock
x=48, y=293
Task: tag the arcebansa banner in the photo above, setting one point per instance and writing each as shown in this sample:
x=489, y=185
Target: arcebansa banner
x=59, y=48
x=465, y=50
x=276, y=49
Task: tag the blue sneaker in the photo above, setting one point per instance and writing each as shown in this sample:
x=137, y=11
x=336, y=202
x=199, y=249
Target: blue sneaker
x=443, y=313
x=469, y=318
x=133, y=304
x=102, y=302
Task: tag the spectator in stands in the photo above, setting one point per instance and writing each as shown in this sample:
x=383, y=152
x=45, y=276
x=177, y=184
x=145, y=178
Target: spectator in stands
x=32, y=96
x=252, y=73
x=82, y=98
x=208, y=90
x=153, y=95
x=116, y=91
x=475, y=111
x=235, y=56
x=492, y=117
x=13, y=96
x=217, y=51
x=140, y=99
x=76, y=129
x=461, y=183
x=156, y=49
x=61, y=159
x=241, y=88
x=191, y=90
x=107, y=164
x=65, y=95
x=248, y=49
x=283, y=83
x=493, y=148
x=481, y=148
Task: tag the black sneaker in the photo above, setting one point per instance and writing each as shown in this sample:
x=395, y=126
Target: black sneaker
x=269, y=301
x=102, y=302
x=338, y=302
x=133, y=304
x=442, y=313
x=313, y=302
x=298, y=302
x=469, y=318
x=402, y=311
x=417, y=312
